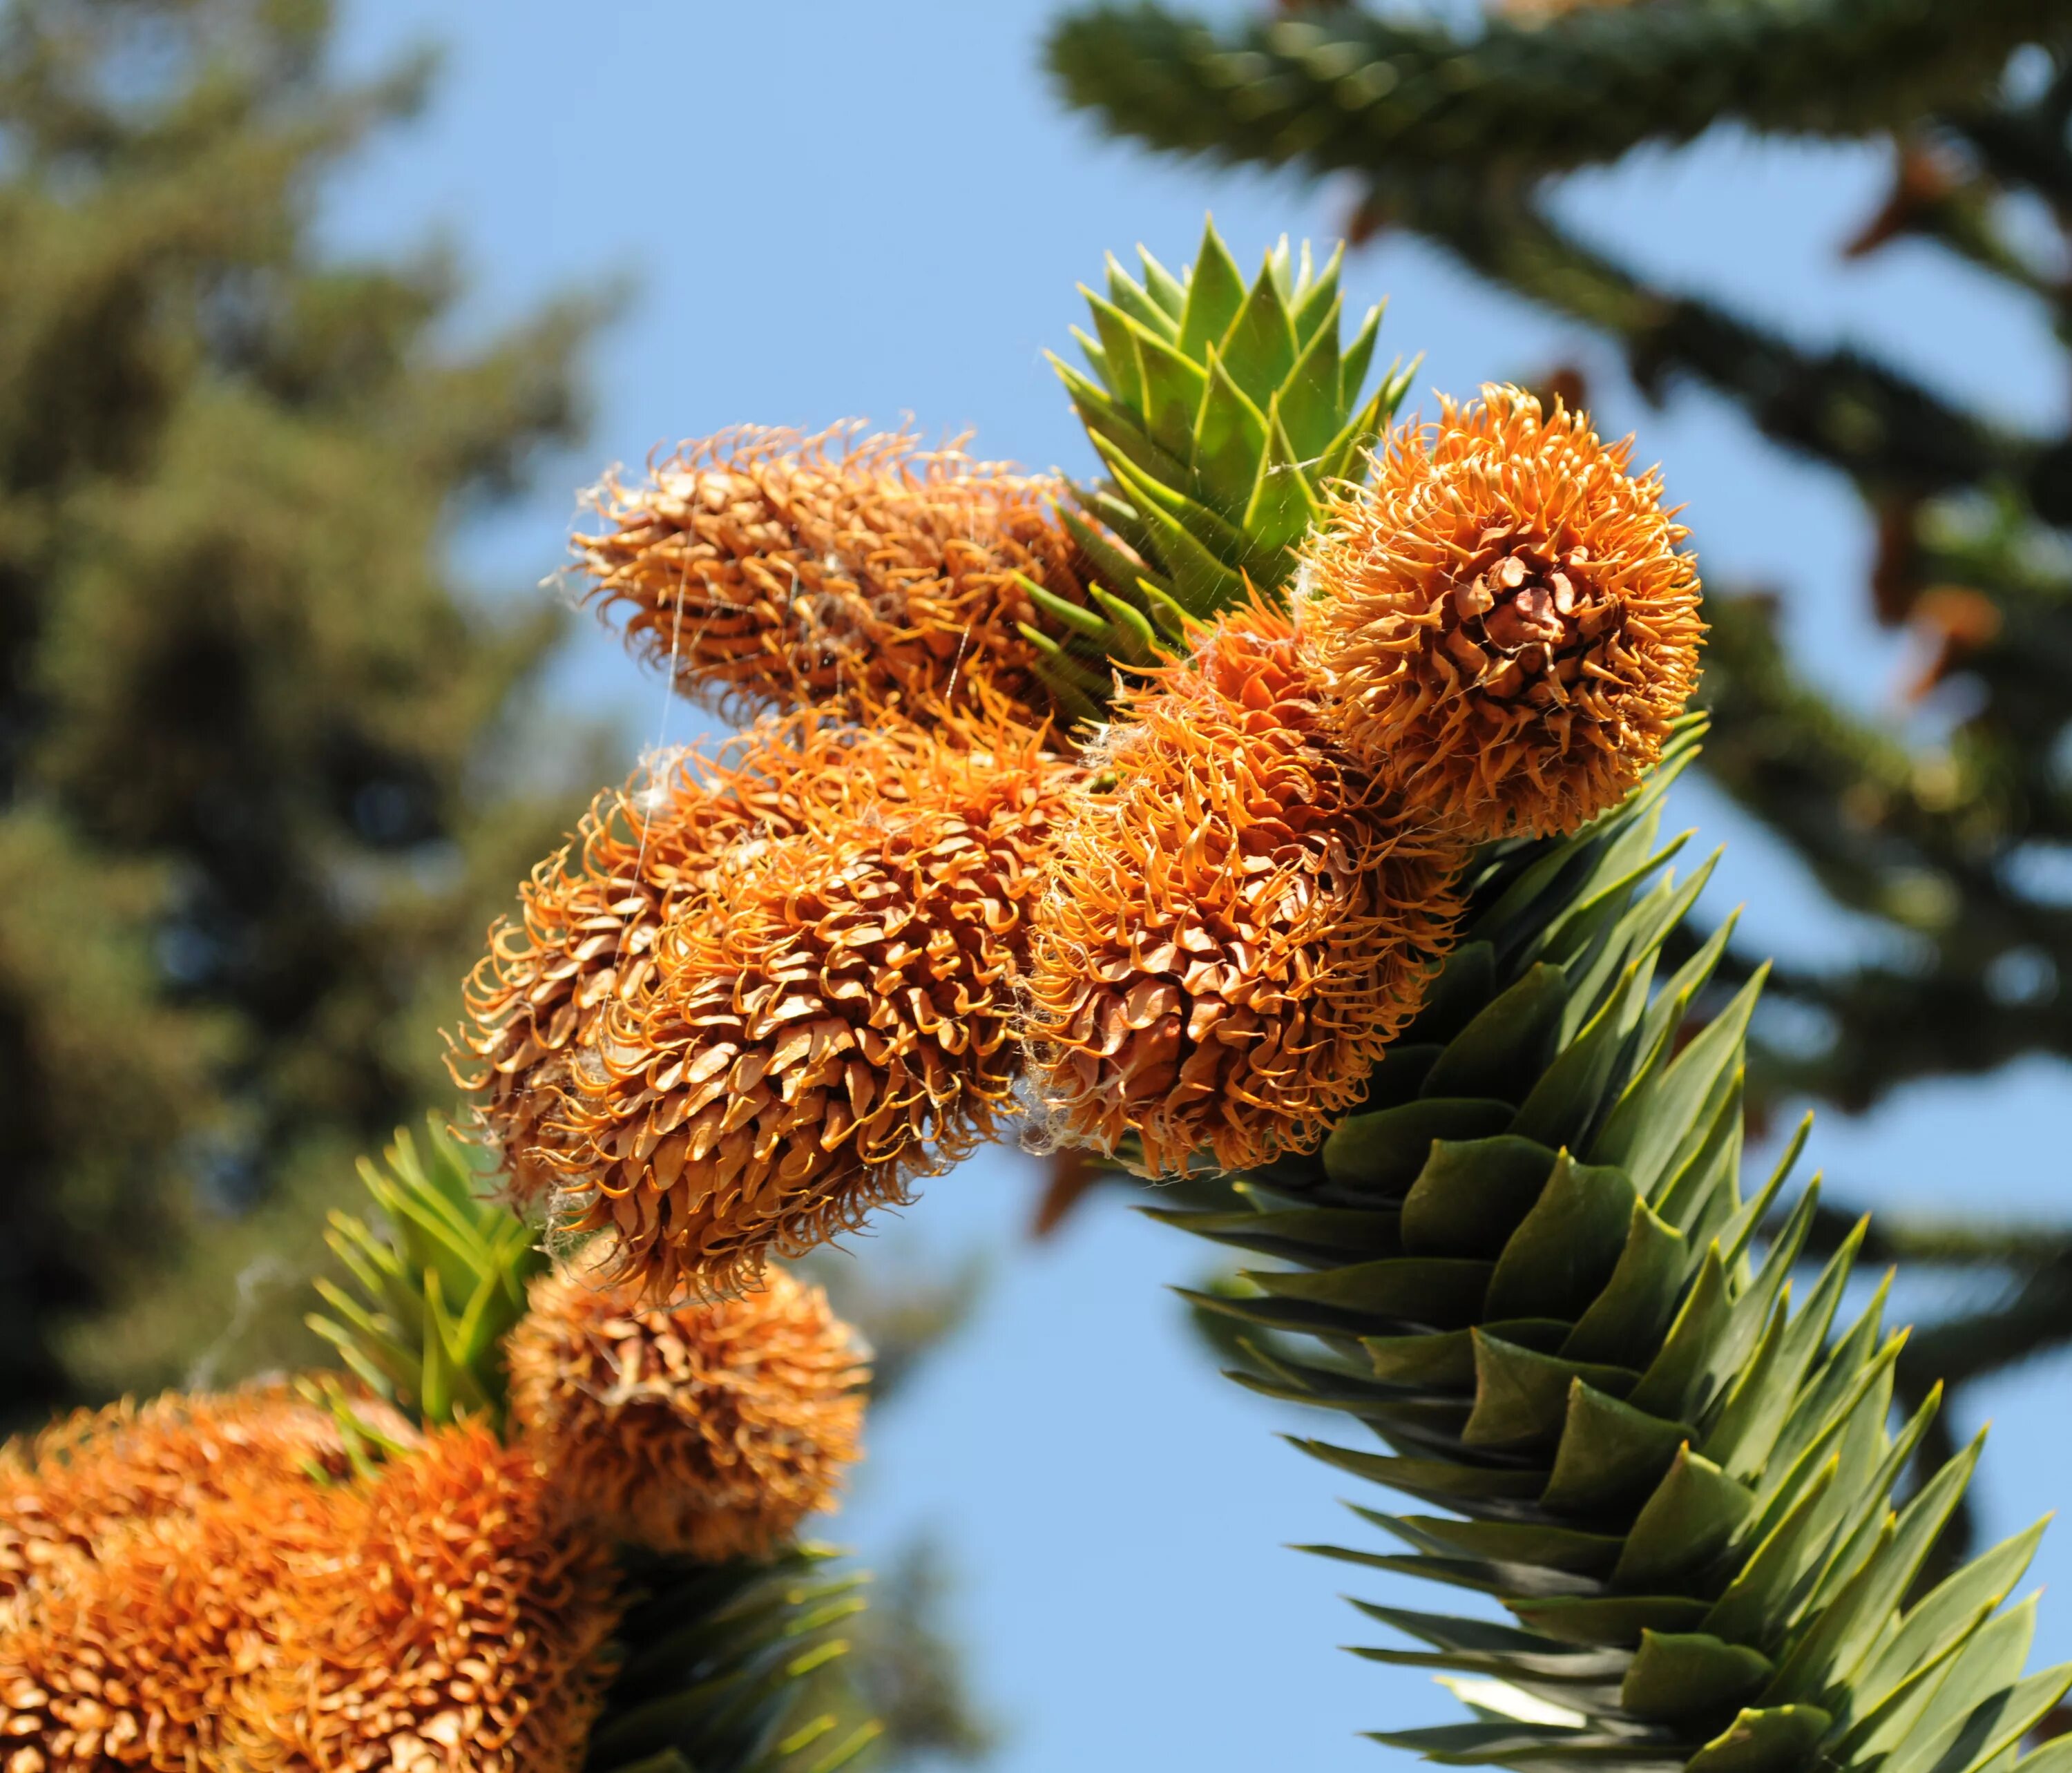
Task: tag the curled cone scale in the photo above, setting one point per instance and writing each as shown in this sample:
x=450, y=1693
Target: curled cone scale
x=830, y=1017
x=460, y=1626
x=585, y=937
x=764, y=568
x=146, y=1655
x=1237, y=924
x=713, y=1428
x=1502, y=622
x=81, y=1486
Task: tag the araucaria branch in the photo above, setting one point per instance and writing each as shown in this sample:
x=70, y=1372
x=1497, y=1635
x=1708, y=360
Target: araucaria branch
x=1276, y=815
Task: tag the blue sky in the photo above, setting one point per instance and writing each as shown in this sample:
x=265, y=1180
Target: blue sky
x=829, y=210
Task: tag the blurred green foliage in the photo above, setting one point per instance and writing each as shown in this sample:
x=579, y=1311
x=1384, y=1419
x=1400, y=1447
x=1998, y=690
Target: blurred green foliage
x=259, y=791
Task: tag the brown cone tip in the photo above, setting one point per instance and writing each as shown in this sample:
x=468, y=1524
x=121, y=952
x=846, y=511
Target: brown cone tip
x=712, y=1428
x=763, y=568
x=459, y=1625
x=1234, y=928
x=829, y=1018
x=1501, y=620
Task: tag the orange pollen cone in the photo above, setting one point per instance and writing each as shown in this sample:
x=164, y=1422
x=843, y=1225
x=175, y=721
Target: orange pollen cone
x=828, y=1020
x=1236, y=928
x=712, y=1429
x=591, y=913
x=1501, y=621
x=148, y=1654
x=765, y=569
x=85, y=1482
x=460, y=1624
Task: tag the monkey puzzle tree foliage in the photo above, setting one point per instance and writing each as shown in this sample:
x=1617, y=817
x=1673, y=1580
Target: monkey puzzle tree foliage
x=1460, y=131
x=1341, y=900
x=246, y=820
x=1332, y=881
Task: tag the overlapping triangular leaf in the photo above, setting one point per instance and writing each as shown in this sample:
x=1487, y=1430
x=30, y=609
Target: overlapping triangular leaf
x=1683, y=1488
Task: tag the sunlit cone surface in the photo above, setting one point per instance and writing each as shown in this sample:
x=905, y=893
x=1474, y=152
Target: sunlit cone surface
x=712, y=1428
x=585, y=938
x=147, y=1656
x=1503, y=623
x=1236, y=928
x=442, y=1616
x=830, y=1018
x=763, y=568
x=460, y=1626
x=85, y=1483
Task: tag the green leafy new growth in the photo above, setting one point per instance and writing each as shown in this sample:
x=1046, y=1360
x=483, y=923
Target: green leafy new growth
x=430, y=1294
x=1350, y=90
x=1220, y=410
x=1533, y=1273
x=724, y=1667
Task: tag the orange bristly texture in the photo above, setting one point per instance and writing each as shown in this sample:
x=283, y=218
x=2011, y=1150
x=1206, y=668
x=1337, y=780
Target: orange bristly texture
x=459, y=1627
x=830, y=1019
x=712, y=1428
x=443, y=1616
x=1502, y=621
x=146, y=1657
x=78, y=1488
x=762, y=568
x=1236, y=927
x=591, y=912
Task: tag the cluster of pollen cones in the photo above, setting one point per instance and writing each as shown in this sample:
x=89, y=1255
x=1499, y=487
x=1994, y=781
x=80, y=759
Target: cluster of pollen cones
x=211, y=1582
x=767, y=987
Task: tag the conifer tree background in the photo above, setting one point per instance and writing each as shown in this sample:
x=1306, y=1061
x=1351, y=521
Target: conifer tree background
x=249, y=824
x=1460, y=130
x=268, y=766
